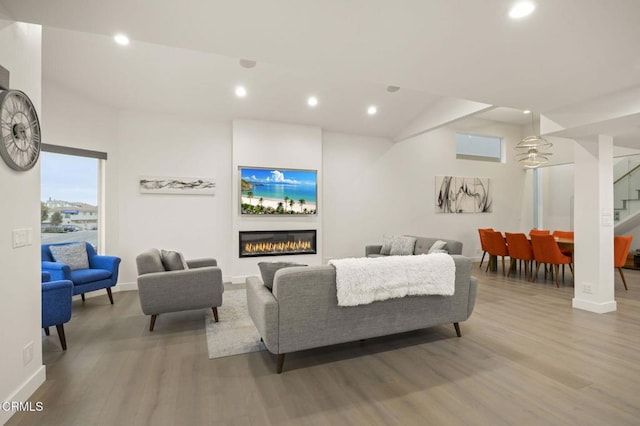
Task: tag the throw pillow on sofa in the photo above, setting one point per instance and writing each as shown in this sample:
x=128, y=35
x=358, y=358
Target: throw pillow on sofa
x=74, y=255
x=387, y=242
x=173, y=260
x=403, y=246
x=268, y=271
x=438, y=247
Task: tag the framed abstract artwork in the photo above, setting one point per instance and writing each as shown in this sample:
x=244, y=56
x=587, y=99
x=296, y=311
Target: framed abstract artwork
x=455, y=194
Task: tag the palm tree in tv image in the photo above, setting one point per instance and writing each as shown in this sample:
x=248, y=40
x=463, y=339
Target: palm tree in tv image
x=286, y=201
x=291, y=204
x=250, y=197
x=302, y=202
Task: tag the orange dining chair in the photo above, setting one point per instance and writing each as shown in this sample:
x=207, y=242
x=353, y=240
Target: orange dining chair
x=621, y=246
x=519, y=249
x=497, y=247
x=546, y=250
x=483, y=242
x=568, y=251
x=539, y=232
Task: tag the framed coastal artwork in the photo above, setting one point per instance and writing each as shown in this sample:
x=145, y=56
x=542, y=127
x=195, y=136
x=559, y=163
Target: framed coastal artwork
x=278, y=192
x=177, y=185
x=455, y=194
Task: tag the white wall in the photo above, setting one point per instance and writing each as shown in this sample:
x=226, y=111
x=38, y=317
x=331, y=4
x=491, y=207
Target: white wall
x=196, y=225
x=20, y=293
x=391, y=189
x=278, y=145
x=557, y=183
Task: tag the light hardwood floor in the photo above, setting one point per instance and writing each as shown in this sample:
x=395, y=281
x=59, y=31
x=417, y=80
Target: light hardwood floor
x=525, y=357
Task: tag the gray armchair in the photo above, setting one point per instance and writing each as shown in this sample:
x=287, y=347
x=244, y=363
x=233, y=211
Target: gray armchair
x=161, y=291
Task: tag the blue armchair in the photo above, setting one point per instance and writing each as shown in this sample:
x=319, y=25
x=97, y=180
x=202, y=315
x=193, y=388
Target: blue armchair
x=56, y=305
x=102, y=271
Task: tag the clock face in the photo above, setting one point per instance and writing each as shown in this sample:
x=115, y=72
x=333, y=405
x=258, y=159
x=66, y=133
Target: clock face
x=19, y=130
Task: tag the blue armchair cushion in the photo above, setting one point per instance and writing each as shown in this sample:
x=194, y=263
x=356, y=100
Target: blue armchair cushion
x=74, y=255
x=83, y=276
x=56, y=302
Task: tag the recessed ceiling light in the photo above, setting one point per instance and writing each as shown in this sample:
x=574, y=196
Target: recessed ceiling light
x=312, y=101
x=522, y=9
x=241, y=92
x=247, y=63
x=526, y=111
x=121, y=39
x=372, y=110
x=392, y=89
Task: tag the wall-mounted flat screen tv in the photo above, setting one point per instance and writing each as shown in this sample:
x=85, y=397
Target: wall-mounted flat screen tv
x=275, y=191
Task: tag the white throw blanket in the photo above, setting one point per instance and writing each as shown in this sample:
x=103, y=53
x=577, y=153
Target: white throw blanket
x=364, y=280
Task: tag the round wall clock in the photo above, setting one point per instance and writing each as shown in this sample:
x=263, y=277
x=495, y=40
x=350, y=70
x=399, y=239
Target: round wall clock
x=19, y=130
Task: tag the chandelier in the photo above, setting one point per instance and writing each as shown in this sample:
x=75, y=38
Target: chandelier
x=531, y=151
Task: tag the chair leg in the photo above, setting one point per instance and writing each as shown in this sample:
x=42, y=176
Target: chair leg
x=623, y=280
x=153, y=322
x=82, y=295
x=280, y=363
x=457, y=327
x=503, y=273
x=535, y=276
x=110, y=295
x=557, y=272
x=482, y=260
x=215, y=313
x=512, y=267
x=63, y=339
x=46, y=331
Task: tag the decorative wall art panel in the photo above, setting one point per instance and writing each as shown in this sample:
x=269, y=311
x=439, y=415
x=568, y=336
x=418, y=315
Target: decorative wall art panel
x=463, y=195
x=177, y=185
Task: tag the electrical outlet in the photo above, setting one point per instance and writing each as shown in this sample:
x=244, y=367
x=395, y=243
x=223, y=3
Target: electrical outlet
x=586, y=288
x=27, y=353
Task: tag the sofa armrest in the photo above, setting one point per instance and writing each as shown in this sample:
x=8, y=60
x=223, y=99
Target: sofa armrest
x=109, y=263
x=173, y=291
x=57, y=270
x=263, y=310
x=372, y=249
x=201, y=263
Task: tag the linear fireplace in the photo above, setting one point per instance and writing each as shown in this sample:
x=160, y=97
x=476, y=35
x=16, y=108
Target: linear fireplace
x=277, y=243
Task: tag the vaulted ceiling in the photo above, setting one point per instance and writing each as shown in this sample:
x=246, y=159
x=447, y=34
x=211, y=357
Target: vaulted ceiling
x=184, y=55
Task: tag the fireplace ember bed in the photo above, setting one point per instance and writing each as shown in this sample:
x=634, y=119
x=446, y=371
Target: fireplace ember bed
x=277, y=243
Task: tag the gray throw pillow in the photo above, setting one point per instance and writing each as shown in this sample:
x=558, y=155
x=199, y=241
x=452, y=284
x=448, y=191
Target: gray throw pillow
x=74, y=255
x=438, y=247
x=403, y=246
x=387, y=242
x=268, y=271
x=173, y=260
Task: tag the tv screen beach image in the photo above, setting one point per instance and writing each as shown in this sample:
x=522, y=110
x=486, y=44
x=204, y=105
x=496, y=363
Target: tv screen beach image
x=278, y=191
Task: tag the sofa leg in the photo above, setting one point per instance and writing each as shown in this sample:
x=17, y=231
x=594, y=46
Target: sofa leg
x=46, y=331
x=153, y=322
x=457, y=327
x=110, y=295
x=63, y=339
x=82, y=295
x=280, y=363
x=215, y=313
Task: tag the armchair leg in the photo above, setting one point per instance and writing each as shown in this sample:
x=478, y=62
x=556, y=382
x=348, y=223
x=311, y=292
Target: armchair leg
x=215, y=313
x=82, y=295
x=63, y=339
x=153, y=322
x=46, y=331
x=482, y=260
x=110, y=295
x=623, y=280
x=280, y=363
x=457, y=327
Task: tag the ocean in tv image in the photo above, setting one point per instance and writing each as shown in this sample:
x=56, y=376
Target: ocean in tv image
x=278, y=191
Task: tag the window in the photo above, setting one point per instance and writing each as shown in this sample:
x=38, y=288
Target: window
x=479, y=147
x=69, y=194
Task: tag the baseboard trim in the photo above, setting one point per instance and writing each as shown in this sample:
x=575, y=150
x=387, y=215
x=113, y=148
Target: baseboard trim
x=598, y=308
x=24, y=392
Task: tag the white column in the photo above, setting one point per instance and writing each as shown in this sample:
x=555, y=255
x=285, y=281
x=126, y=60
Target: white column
x=593, y=223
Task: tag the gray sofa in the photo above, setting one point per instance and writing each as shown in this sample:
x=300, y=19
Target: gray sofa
x=423, y=244
x=161, y=291
x=302, y=312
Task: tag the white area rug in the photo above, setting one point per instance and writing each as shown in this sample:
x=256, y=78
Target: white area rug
x=235, y=333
